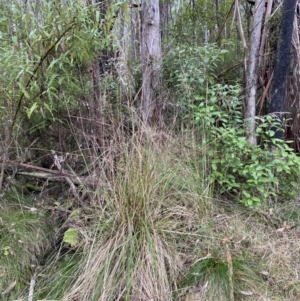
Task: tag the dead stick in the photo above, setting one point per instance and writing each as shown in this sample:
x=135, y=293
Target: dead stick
x=263, y=97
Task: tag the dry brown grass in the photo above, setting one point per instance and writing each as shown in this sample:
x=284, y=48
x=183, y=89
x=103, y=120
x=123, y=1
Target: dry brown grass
x=155, y=219
x=151, y=203
x=268, y=241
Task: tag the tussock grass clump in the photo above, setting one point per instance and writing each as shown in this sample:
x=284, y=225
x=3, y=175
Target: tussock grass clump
x=148, y=209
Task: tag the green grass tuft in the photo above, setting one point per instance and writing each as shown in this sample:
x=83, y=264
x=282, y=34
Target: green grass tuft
x=23, y=239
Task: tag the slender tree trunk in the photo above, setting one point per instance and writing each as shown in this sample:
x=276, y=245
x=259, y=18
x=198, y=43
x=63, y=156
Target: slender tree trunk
x=97, y=111
x=252, y=70
x=283, y=55
x=265, y=33
x=217, y=14
x=135, y=31
x=242, y=35
x=164, y=18
x=151, y=59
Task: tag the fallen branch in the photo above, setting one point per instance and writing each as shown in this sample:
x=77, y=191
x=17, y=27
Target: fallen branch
x=50, y=174
x=31, y=288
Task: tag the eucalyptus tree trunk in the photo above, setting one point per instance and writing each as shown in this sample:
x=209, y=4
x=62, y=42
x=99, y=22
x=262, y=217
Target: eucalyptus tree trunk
x=151, y=60
x=283, y=55
x=252, y=70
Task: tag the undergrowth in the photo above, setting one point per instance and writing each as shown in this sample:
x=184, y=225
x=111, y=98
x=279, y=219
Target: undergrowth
x=154, y=232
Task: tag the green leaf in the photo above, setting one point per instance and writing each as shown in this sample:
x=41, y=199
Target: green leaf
x=6, y=250
x=23, y=89
x=71, y=237
x=256, y=199
x=246, y=194
x=97, y=16
x=32, y=109
x=53, y=63
x=49, y=109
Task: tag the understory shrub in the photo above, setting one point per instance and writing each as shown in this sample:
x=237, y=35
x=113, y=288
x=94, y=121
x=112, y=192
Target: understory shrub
x=253, y=174
x=250, y=174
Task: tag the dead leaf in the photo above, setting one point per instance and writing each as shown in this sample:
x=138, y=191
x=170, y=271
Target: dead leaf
x=246, y=293
x=242, y=240
x=9, y=288
x=225, y=240
x=202, y=287
x=205, y=257
x=265, y=273
x=284, y=227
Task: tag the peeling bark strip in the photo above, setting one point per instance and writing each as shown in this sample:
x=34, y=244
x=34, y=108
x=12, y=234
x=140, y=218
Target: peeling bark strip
x=283, y=56
x=151, y=60
x=252, y=70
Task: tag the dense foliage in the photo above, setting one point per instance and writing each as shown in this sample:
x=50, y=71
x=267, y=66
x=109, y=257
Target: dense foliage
x=97, y=205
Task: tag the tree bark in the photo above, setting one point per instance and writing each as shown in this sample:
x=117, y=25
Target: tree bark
x=283, y=56
x=151, y=60
x=252, y=70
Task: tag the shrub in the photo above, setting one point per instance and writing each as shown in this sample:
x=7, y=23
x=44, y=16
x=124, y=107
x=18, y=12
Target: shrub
x=250, y=173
